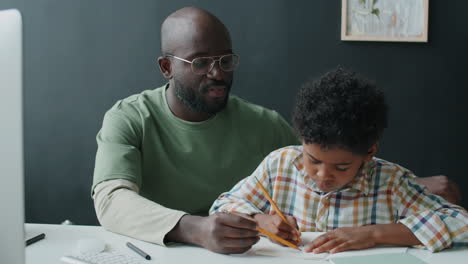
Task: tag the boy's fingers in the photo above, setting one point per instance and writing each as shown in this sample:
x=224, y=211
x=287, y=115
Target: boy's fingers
x=316, y=243
x=291, y=226
x=288, y=236
x=293, y=221
x=327, y=246
x=290, y=232
x=341, y=247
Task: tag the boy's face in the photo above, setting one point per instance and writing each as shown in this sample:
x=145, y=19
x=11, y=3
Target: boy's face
x=332, y=168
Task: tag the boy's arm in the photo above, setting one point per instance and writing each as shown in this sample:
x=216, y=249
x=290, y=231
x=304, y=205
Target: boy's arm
x=423, y=219
x=245, y=197
x=437, y=223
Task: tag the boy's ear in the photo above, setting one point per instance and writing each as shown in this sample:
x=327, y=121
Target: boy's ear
x=371, y=152
x=165, y=67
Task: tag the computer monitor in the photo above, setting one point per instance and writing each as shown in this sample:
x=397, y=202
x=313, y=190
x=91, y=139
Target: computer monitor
x=11, y=139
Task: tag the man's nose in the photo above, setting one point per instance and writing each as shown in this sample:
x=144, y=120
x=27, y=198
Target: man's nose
x=216, y=72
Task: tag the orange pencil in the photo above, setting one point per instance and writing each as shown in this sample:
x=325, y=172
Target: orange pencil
x=273, y=204
x=277, y=238
x=266, y=233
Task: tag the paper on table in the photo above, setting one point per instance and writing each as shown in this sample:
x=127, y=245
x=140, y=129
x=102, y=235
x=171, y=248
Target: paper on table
x=266, y=248
x=401, y=258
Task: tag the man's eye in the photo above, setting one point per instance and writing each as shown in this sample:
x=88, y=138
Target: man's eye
x=200, y=63
x=226, y=60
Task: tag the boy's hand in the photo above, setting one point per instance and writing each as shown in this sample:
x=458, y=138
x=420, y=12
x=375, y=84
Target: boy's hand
x=274, y=224
x=352, y=238
x=342, y=239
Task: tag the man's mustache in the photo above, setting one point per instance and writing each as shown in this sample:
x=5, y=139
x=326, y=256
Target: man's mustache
x=214, y=83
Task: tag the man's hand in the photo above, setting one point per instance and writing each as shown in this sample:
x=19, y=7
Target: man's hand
x=274, y=224
x=441, y=185
x=221, y=232
x=342, y=239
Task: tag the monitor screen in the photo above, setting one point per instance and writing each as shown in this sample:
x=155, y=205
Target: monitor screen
x=11, y=139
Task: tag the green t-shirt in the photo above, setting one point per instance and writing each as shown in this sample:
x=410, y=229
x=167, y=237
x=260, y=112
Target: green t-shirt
x=185, y=165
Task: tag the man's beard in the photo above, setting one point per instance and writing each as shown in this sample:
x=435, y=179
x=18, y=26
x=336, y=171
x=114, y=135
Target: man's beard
x=194, y=99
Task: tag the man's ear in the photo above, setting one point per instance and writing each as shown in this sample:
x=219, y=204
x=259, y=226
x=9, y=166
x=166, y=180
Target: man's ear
x=165, y=67
x=371, y=152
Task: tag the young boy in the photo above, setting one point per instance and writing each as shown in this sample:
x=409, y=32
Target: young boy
x=333, y=183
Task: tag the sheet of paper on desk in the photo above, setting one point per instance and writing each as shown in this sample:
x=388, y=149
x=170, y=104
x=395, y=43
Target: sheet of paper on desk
x=400, y=258
x=267, y=248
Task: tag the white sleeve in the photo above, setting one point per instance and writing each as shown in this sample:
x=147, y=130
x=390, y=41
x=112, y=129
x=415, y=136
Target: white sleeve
x=120, y=209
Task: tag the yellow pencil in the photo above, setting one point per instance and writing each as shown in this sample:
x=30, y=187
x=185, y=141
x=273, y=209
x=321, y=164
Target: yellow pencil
x=273, y=204
x=277, y=238
x=266, y=233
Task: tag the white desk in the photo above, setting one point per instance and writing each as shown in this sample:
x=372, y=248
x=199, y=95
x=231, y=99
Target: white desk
x=61, y=239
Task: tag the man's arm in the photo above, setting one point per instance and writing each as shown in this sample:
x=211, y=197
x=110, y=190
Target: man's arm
x=441, y=185
x=221, y=232
x=121, y=209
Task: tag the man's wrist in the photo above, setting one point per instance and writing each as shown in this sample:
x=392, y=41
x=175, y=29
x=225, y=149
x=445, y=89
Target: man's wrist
x=187, y=230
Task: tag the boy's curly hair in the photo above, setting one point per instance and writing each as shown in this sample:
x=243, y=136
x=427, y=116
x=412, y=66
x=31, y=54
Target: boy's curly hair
x=341, y=109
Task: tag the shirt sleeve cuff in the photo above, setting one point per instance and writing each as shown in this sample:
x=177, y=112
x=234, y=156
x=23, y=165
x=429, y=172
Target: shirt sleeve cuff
x=429, y=229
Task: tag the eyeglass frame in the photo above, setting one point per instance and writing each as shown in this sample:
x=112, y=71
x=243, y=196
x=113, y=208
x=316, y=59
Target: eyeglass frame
x=210, y=57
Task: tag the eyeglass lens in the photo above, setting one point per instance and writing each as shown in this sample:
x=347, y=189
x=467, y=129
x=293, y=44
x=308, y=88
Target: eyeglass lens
x=203, y=65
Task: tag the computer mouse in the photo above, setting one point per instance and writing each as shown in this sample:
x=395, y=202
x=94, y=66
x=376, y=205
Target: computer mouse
x=90, y=245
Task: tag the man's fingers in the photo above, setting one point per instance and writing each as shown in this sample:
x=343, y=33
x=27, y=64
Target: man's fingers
x=236, y=250
x=228, y=242
x=230, y=250
x=234, y=232
x=238, y=221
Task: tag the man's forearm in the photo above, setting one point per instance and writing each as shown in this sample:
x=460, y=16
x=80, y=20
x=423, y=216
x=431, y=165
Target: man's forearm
x=122, y=210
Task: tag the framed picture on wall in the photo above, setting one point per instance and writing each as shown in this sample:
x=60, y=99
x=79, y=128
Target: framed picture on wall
x=384, y=20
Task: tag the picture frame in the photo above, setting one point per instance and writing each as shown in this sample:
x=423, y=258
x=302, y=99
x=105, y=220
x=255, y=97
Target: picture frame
x=384, y=20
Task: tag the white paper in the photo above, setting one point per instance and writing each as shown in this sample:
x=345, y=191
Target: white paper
x=267, y=248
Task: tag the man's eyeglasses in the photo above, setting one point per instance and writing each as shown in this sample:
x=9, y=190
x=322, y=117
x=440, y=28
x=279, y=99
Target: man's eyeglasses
x=203, y=65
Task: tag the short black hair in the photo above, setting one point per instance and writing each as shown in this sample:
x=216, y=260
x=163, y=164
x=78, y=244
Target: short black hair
x=341, y=109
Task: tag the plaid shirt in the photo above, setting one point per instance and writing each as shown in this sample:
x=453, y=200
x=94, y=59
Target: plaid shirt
x=381, y=193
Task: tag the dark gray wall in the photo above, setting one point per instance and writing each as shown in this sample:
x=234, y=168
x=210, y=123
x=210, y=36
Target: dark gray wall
x=83, y=55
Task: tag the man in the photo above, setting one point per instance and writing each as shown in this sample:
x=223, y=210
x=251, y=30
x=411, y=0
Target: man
x=165, y=155
x=171, y=151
